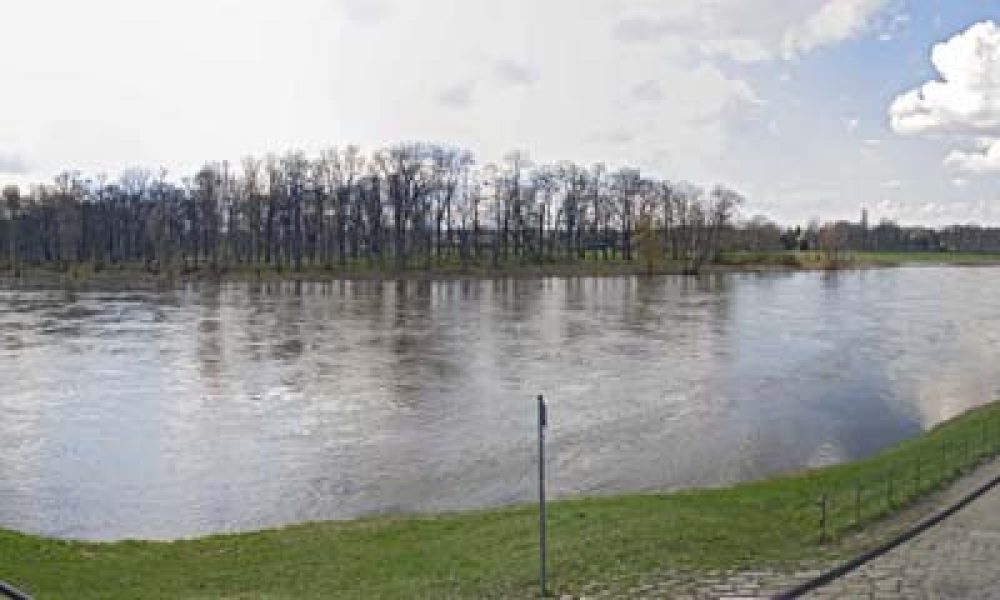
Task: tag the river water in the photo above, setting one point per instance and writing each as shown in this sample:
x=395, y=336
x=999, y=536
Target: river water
x=210, y=408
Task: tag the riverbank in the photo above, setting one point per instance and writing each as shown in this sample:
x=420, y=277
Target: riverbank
x=848, y=260
x=493, y=553
x=128, y=275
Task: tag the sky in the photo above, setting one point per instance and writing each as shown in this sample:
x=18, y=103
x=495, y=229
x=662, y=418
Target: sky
x=810, y=108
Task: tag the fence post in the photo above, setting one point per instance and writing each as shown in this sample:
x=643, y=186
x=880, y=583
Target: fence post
x=944, y=459
x=542, y=424
x=857, y=503
x=822, y=518
x=986, y=451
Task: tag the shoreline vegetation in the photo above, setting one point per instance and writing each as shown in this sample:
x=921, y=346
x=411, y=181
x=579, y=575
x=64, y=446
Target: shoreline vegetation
x=420, y=210
x=493, y=553
x=732, y=262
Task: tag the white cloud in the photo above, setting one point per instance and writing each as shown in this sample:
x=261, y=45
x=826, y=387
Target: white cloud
x=963, y=104
x=217, y=79
x=647, y=91
x=643, y=82
x=966, y=100
x=749, y=30
x=366, y=11
x=833, y=21
x=610, y=137
x=11, y=163
x=458, y=95
x=985, y=160
x=516, y=73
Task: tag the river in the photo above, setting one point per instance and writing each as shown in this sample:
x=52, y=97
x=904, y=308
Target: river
x=217, y=408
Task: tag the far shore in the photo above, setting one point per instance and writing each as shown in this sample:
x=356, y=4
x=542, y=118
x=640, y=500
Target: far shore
x=129, y=274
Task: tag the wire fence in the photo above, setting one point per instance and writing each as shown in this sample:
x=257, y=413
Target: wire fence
x=845, y=505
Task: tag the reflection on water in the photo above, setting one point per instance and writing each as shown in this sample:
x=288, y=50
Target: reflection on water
x=207, y=408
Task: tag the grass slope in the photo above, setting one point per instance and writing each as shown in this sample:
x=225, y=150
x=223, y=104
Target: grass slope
x=493, y=553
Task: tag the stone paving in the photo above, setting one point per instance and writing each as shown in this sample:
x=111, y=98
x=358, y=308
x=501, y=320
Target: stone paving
x=958, y=558
x=679, y=585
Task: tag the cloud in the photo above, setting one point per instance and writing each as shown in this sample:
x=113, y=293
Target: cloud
x=966, y=100
x=647, y=91
x=985, y=160
x=12, y=164
x=611, y=137
x=475, y=74
x=515, y=73
x=366, y=11
x=458, y=95
x=834, y=21
x=964, y=103
x=745, y=31
x=645, y=29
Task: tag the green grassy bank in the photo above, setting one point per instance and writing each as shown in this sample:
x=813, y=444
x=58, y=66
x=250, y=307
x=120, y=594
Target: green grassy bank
x=593, y=265
x=818, y=260
x=493, y=553
x=944, y=258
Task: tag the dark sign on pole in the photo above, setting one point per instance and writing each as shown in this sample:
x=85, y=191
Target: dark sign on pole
x=543, y=422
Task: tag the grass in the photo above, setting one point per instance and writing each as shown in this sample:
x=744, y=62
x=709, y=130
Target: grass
x=493, y=553
x=952, y=258
x=781, y=260
x=817, y=260
x=592, y=264
x=135, y=273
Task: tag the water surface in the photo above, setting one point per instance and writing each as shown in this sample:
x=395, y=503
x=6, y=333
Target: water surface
x=225, y=408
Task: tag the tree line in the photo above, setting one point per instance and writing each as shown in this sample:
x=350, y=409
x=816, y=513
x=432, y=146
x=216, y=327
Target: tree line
x=411, y=205
x=888, y=236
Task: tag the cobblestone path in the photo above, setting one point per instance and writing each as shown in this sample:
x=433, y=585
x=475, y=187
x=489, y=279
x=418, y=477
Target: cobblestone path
x=958, y=558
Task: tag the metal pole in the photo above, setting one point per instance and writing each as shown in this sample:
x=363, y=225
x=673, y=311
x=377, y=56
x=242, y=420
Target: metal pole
x=945, y=472
x=822, y=518
x=857, y=504
x=985, y=452
x=542, y=424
